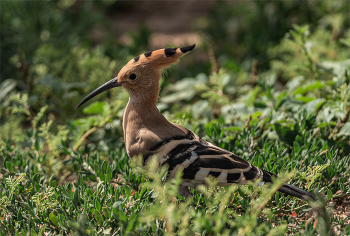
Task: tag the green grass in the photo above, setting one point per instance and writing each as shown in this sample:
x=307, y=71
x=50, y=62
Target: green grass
x=49, y=187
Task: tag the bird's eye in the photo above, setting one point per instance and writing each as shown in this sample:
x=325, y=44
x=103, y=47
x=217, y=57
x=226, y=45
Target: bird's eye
x=132, y=76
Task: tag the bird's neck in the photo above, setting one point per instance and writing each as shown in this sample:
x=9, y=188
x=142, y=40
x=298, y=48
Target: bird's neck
x=144, y=127
x=139, y=118
x=141, y=111
x=143, y=97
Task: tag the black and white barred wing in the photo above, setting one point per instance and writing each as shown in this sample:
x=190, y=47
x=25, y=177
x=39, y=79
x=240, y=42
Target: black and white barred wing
x=199, y=160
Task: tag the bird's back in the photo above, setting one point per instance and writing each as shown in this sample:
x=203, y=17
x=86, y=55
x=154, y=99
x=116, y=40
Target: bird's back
x=199, y=159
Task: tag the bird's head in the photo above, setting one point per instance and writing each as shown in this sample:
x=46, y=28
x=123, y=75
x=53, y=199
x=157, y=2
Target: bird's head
x=140, y=76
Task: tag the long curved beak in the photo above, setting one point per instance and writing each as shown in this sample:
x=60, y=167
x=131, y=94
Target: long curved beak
x=110, y=84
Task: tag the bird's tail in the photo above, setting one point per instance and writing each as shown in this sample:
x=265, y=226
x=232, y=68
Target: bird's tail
x=289, y=189
x=296, y=192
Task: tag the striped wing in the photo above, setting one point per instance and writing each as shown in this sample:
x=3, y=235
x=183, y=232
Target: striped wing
x=199, y=159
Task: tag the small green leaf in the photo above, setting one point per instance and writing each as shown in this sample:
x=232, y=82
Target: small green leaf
x=19, y=215
x=76, y=197
x=106, y=212
x=306, y=209
x=320, y=160
x=296, y=147
x=131, y=222
x=108, y=175
x=9, y=166
x=286, y=133
x=117, y=203
x=97, y=204
x=102, y=176
x=95, y=108
x=277, y=198
x=299, y=140
x=33, y=232
x=304, y=99
x=53, y=183
x=260, y=162
x=122, y=216
x=259, y=105
x=252, y=96
x=36, y=144
x=6, y=86
x=329, y=194
x=345, y=130
x=53, y=219
x=314, y=105
x=98, y=217
x=309, y=87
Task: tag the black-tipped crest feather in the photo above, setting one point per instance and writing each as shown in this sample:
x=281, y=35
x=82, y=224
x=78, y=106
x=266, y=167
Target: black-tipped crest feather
x=187, y=48
x=147, y=54
x=169, y=51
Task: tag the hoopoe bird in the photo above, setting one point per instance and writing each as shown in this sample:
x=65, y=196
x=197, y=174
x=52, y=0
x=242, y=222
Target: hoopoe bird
x=148, y=133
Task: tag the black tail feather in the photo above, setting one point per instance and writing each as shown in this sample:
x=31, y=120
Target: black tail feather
x=296, y=192
x=289, y=189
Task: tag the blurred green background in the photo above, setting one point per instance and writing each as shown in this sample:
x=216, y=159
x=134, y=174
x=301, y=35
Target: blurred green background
x=268, y=80
x=58, y=51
